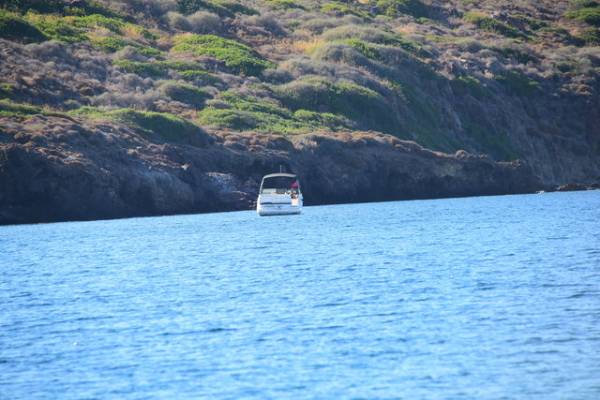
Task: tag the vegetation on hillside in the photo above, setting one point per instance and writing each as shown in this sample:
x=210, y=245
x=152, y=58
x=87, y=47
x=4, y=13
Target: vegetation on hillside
x=448, y=74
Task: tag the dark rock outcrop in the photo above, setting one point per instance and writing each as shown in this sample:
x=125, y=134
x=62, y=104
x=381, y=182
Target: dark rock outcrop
x=57, y=169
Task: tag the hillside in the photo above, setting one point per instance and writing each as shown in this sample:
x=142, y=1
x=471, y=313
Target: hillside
x=117, y=108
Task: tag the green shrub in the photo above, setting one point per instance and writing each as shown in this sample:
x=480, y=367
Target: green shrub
x=9, y=108
x=521, y=56
x=224, y=8
x=366, y=49
x=115, y=25
x=362, y=39
x=393, y=8
x=284, y=4
x=469, y=84
x=163, y=126
x=242, y=112
x=577, y=4
x=365, y=106
x=236, y=56
x=56, y=27
x=72, y=29
x=188, y=7
x=59, y=7
x=200, y=77
x=533, y=23
x=589, y=15
x=235, y=7
x=181, y=65
x=590, y=36
x=158, y=68
x=95, y=21
x=147, y=69
x=489, y=24
x=518, y=83
x=166, y=126
x=115, y=43
x=13, y=27
x=343, y=9
x=329, y=120
x=109, y=43
x=185, y=93
x=6, y=89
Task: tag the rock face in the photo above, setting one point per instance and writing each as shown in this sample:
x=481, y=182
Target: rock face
x=57, y=169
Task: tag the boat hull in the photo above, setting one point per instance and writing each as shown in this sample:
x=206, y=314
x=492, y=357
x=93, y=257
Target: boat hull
x=277, y=209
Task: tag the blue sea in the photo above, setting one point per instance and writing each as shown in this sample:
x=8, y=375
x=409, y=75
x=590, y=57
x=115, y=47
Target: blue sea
x=471, y=298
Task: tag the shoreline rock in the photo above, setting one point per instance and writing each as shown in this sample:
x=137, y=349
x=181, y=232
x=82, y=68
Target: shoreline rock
x=576, y=187
x=55, y=169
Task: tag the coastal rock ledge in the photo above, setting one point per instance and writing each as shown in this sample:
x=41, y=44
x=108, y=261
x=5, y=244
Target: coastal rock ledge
x=56, y=168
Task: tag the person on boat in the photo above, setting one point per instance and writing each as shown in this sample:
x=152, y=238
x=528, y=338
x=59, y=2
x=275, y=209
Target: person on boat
x=294, y=188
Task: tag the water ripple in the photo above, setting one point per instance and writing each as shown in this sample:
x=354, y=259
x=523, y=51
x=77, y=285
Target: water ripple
x=487, y=298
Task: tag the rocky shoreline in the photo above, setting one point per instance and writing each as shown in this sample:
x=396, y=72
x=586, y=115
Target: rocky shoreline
x=55, y=168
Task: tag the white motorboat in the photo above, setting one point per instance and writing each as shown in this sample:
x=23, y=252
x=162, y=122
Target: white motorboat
x=279, y=195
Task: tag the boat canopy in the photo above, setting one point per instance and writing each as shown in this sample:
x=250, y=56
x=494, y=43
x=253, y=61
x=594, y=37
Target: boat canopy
x=279, y=174
x=278, y=181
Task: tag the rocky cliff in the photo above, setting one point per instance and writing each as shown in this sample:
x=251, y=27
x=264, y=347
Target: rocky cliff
x=54, y=169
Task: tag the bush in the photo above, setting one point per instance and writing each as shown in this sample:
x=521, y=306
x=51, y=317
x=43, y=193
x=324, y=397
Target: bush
x=147, y=69
x=200, y=77
x=96, y=21
x=157, y=68
x=73, y=29
x=13, y=27
x=468, y=84
x=365, y=106
x=589, y=15
x=518, y=83
x=224, y=8
x=267, y=22
x=178, y=21
x=163, y=126
x=9, y=108
x=284, y=4
x=204, y=22
x=6, y=89
x=577, y=4
x=242, y=112
x=371, y=35
x=492, y=25
x=521, y=55
x=236, y=56
x=56, y=27
x=368, y=34
x=236, y=7
x=59, y=7
x=366, y=49
x=152, y=8
x=329, y=120
x=191, y=6
x=590, y=36
x=112, y=44
x=166, y=126
x=199, y=22
x=47, y=6
x=393, y=8
x=181, y=65
x=343, y=9
x=184, y=93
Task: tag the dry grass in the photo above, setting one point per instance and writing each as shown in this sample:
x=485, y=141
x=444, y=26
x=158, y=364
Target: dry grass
x=308, y=46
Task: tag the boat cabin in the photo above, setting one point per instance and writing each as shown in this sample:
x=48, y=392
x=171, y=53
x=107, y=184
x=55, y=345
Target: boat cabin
x=279, y=194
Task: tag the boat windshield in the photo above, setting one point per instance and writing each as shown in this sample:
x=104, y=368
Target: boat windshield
x=280, y=185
